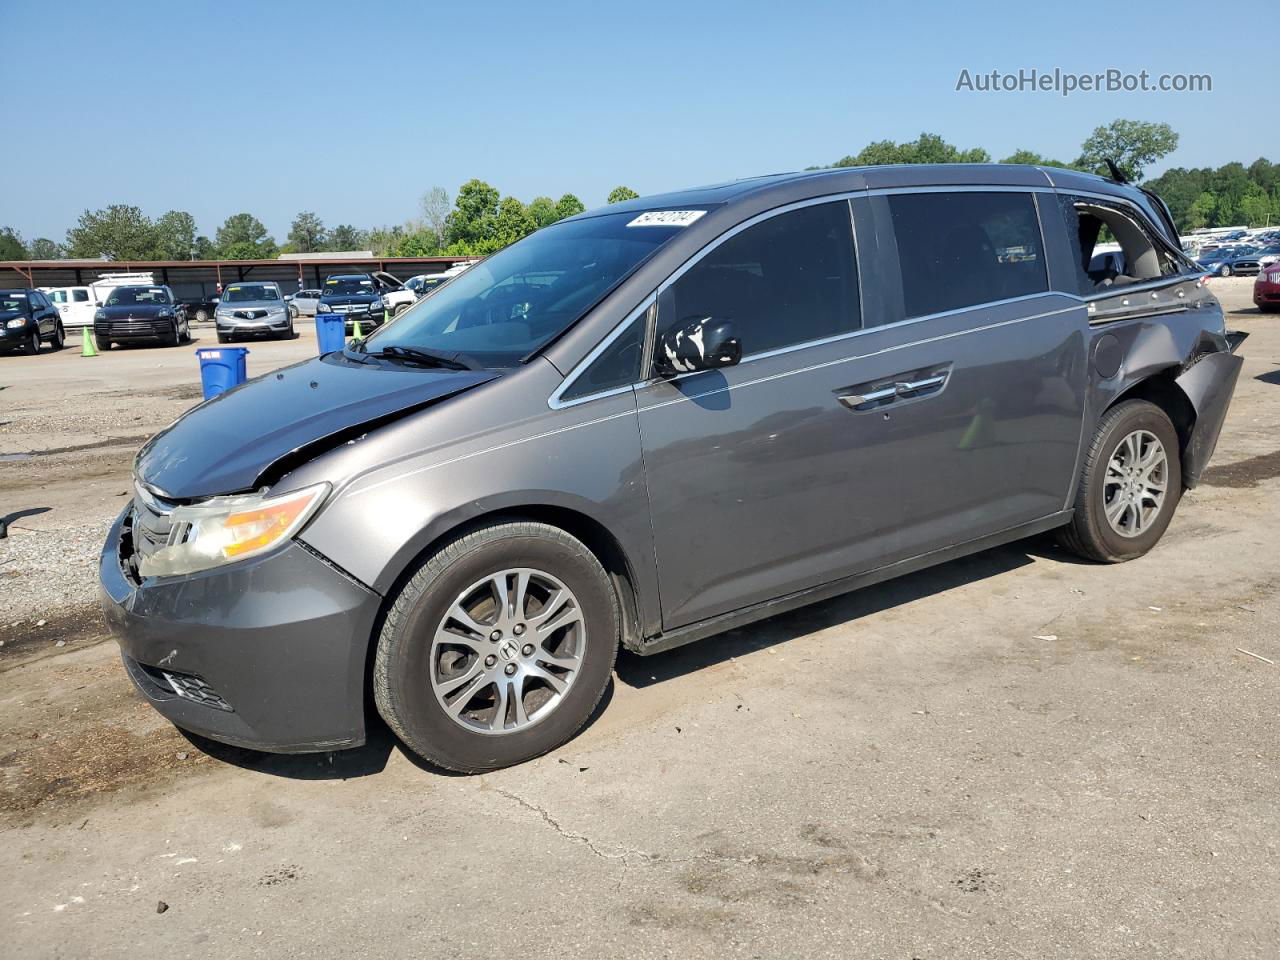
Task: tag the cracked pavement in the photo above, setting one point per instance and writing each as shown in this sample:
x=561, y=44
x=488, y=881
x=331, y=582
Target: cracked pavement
x=1013, y=755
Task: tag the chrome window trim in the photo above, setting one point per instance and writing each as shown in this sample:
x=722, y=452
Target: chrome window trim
x=862, y=356
x=555, y=401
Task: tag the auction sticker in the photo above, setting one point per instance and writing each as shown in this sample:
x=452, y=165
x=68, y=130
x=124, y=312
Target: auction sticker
x=666, y=218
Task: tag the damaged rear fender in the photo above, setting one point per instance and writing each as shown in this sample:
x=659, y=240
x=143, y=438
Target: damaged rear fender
x=1194, y=387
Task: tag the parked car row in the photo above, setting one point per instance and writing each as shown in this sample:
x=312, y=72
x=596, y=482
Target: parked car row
x=1241, y=253
x=133, y=308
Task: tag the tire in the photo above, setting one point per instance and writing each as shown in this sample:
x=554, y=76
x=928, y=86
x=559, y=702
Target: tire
x=186, y=332
x=1224, y=270
x=407, y=665
x=224, y=338
x=202, y=316
x=400, y=308
x=101, y=342
x=32, y=346
x=1090, y=534
x=293, y=312
x=59, y=336
x=172, y=338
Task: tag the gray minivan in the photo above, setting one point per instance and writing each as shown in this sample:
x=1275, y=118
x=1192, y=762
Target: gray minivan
x=650, y=423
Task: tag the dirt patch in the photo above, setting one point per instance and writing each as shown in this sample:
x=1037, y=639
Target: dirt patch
x=1244, y=473
x=22, y=641
x=79, y=731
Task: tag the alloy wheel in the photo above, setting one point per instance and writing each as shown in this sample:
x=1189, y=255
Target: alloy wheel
x=507, y=651
x=1136, y=483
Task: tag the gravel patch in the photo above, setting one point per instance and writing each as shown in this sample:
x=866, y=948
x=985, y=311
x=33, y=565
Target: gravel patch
x=43, y=572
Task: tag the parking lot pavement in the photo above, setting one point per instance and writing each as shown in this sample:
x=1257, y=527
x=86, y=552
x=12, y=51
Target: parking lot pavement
x=1013, y=755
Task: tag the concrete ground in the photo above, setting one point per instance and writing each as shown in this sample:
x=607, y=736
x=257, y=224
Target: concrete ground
x=1015, y=755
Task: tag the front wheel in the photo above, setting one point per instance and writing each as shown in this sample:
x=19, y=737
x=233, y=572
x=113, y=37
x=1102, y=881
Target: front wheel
x=498, y=647
x=101, y=342
x=32, y=346
x=1130, y=485
x=59, y=336
x=186, y=331
x=1224, y=270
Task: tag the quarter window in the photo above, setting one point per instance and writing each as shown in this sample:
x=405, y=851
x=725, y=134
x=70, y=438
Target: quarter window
x=957, y=250
x=617, y=366
x=1113, y=247
x=787, y=280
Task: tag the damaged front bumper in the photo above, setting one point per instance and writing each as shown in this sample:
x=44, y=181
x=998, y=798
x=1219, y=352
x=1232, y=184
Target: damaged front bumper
x=1208, y=382
x=267, y=653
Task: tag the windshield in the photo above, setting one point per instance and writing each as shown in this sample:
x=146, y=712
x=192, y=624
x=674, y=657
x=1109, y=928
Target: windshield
x=510, y=305
x=246, y=292
x=124, y=296
x=345, y=286
x=12, y=302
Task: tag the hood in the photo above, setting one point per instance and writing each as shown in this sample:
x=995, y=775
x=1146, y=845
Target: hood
x=337, y=299
x=225, y=444
x=137, y=310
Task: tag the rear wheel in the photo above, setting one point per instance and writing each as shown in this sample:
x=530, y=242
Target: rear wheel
x=498, y=647
x=1130, y=485
x=202, y=315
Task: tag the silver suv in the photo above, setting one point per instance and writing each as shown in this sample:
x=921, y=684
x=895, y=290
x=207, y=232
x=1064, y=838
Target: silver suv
x=651, y=423
x=253, y=310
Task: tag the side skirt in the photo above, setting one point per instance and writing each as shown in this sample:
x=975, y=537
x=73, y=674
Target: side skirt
x=792, y=601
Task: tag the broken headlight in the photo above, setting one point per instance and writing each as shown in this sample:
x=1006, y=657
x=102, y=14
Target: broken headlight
x=225, y=529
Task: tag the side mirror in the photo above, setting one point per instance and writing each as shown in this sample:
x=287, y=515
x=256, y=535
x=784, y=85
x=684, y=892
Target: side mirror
x=699, y=343
x=98, y=303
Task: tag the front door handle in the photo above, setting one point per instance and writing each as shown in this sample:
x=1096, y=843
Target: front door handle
x=911, y=386
x=914, y=385
x=855, y=400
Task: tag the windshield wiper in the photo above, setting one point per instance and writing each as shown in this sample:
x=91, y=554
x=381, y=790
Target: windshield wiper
x=429, y=358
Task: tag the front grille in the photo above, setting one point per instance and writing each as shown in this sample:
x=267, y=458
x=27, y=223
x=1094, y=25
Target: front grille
x=132, y=328
x=249, y=314
x=188, y=686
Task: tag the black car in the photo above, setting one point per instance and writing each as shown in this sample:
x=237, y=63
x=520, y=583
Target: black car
x=144, y=313
x=27, y=319
x=201, y=308
x=356, y=296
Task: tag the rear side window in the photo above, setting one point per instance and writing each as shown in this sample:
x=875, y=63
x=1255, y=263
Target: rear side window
x=957, y=250
x=787, y=280
x=80, y=296
x=1095, y=228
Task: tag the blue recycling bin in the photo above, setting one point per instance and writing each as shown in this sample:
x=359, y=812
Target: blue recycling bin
x=331, y=332
x=222, y=368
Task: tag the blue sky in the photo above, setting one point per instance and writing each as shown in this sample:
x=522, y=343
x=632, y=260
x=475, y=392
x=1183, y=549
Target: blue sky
x=353, y=110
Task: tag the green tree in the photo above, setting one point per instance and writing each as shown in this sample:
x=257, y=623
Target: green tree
x=306, y=234
x=542, y=210
x=1132, y=144
x=346, y=237
x=1201, y=213
x=11, y=245
x=1031, y=158
x=175, y=235
x=569, y=206
x=120, y=232
x=927, y=148
x=511, y=224
x=42, y=248
x=618, y=194
x=1255, y=207
x=205, y=249
x=243, y=237
x=470, y=226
